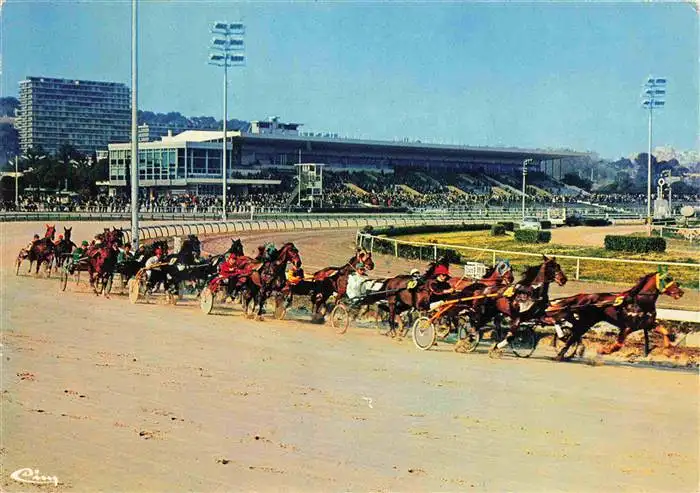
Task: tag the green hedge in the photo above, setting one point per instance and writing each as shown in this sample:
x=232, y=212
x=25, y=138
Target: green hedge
x=636, y=244
x=498, y=230
x=425, y=228
x=546, y=224
x=532, y=236
x=596, y=222
x=509, y=225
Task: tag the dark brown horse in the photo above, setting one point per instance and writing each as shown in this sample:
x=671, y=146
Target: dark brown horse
x=526, y=300
x=41, y=250
x=269, y=276
x=64, y=247
x=631, y=310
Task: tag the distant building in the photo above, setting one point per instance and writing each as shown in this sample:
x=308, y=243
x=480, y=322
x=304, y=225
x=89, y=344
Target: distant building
x=86, y=114
x=148, y=132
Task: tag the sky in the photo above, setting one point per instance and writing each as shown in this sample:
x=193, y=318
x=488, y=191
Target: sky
x=531, y=75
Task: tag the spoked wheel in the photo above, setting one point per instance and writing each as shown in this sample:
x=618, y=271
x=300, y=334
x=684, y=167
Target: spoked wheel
x=134, y=290
x=340, y=318
x=424, y=333
x=524, y=342
x=469, y=337
x=64, y=279
x=206, y=301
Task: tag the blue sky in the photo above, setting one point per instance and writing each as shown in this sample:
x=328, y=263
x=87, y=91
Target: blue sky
x=543, y=74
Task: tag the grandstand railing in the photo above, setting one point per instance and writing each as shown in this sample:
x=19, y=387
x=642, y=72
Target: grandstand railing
x=367, y=240
x=482, y=214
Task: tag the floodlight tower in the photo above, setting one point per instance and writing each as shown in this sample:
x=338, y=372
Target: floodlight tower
x=226, y=51
x=653, y=96
x=526, y=163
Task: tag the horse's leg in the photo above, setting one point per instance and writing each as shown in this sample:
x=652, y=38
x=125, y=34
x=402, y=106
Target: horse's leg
x=262, y=297
x=391, y=300
x=617, y=345
x=668, y=337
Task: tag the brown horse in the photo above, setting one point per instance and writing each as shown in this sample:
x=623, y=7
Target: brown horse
x=525, y=301
x=41, y=250
x=331, y=280
x=269, y=277
x=631, y=310
x=103, y=260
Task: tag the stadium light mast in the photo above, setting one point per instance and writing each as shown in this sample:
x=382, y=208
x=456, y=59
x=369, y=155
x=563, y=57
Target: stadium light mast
x=526, y=163
x=134, y=128
x=653, y=96
x=226, y=51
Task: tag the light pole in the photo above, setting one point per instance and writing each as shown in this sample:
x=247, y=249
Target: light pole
x=227, y=47
x=653, y=97
x=526, y=163
x=134, y=128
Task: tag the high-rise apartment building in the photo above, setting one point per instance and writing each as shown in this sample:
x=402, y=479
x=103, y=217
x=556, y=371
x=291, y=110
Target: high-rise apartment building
x=83, y=113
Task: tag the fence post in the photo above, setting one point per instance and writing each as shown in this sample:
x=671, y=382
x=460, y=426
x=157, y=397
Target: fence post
x=396, y=248
x=435, y=253
x=578, y=268
x=493, y=262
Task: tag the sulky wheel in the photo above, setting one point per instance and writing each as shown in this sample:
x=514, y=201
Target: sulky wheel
x=424, y=333
x=340, y=318
x=206, y=301
x=64, y=279
x=468, y=335
x=134, y=290
x=524, y=342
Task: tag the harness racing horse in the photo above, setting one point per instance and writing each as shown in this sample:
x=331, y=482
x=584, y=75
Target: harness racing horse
x=64, y=247
x=265, y=278
x=102, y=261
x=525, y=301
x=629, y=311
x=331, y=280
x=41, y=251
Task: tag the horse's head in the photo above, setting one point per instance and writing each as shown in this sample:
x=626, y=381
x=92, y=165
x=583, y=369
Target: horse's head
x=67, y=233
x=289, y=253
x=668, y=286
x=114, y=237
x=552, y=271
x=236, y=247
x=50, y=231
x=369, y=263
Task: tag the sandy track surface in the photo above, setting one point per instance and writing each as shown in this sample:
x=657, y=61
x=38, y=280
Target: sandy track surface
x=109, y=396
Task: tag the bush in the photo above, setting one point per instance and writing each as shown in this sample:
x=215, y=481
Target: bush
x=636, y=244
x=508, y=225
x=427, y=228
x=546, y=224
x=596, y=222
x=498, y=230
x=532, y=236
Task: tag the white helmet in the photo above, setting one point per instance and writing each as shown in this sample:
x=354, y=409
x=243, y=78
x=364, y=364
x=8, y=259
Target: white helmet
x=415, y=272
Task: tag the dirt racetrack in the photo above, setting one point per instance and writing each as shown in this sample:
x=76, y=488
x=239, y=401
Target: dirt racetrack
x=110, y=396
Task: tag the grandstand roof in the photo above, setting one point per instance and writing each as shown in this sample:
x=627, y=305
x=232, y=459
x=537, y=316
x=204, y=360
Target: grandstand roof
x=333, y=142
